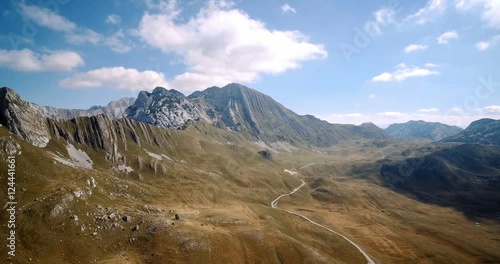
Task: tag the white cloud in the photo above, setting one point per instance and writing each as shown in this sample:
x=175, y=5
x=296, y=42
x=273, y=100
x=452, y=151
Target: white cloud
x=117, y=42
x=47, y=18
x=29, y=61
x=445, y=37
x=432, y=9
x=490, y=10
x=372, y=96
x=220, y=45
x=116, y=77
x=73, y=33
x=383, y=17
x=484, y=45
x=113, y=19
x=493, y=109
x=456, y=110
x=391, y=114
x=402, y=73
x=431, y=65
x=286, y=8
x=428, y=110
x=415, y=47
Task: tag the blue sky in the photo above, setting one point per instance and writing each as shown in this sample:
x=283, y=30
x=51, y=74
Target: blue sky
x=344, y=61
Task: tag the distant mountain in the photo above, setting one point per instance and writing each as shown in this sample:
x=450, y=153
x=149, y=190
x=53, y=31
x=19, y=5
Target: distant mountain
x=239, y=108
x=465, y=176
x=483, y=131
x=422, y=130
x=114, y=110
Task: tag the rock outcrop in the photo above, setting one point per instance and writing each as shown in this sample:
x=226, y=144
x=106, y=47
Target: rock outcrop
x=23, y=119
x=163, y=108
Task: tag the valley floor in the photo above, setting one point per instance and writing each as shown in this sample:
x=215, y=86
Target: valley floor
x=227, y=197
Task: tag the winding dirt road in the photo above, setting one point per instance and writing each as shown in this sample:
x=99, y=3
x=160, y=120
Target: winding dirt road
x=274, y=204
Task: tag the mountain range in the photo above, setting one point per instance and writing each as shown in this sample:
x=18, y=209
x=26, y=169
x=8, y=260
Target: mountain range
x=484, y=131
x=233, y=107
x=422, y=130
x=169, y=178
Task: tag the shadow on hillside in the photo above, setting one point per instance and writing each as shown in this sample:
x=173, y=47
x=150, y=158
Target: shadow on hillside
x=464, y=177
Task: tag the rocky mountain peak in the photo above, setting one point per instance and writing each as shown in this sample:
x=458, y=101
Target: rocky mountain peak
x=164, y=108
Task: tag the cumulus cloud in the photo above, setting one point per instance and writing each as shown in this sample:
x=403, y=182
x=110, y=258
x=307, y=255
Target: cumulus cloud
x=493, y=109
x=445, y=37
x=428, y=110
x=372, y=96
x=484, y=45
x=113, y=19
x=391, y=114
x=116, y=77
x=415, y=47
x=431, y=65
x=29, y=61
x=73, y=33
x=402, y=73
x=286, y=8
x=490, y=10
x=432, y=9
x=220, y=45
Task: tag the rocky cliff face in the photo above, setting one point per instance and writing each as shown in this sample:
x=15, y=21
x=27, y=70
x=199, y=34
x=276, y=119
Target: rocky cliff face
x=163, y=108
x=238, y=108
x=100, y=132
x=23, y=119
x=484, y=131
x=422, y=130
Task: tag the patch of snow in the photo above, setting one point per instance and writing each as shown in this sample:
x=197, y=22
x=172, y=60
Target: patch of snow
x=291, y=172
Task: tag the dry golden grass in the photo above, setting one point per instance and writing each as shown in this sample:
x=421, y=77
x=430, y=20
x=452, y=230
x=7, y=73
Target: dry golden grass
x=222, y=193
